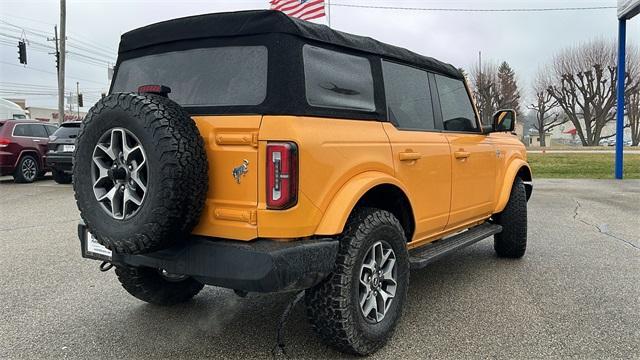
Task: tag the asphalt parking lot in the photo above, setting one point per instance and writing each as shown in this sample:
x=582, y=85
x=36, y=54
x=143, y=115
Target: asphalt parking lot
x=575, y=294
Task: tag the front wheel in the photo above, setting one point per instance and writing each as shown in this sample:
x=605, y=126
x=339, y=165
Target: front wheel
x=512, y=241
x=157, y=286
x=356, y=308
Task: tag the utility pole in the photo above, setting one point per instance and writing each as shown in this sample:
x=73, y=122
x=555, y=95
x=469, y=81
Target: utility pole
x=57, y=55
x=61, y=56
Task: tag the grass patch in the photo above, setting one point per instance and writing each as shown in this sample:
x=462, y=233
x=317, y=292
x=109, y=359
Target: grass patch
x=582, y=166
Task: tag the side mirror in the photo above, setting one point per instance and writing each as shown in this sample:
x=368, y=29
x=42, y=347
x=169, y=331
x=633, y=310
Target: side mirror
x=504, y=120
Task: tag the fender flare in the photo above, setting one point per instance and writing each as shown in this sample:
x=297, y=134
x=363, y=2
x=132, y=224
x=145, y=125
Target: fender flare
x=337, y=213
x=516, y=167
x=35, y=154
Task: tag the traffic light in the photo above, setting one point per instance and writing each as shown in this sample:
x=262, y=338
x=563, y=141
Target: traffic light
x=80, y=103
x=22, y=52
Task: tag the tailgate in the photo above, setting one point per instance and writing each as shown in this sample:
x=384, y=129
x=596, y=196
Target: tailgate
x=231, y=206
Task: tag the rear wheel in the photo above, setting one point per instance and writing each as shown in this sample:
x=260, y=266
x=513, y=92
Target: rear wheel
x=356, y=308
x=61, y=177
x=27, y=170
x=157, y=286
x=512, y=241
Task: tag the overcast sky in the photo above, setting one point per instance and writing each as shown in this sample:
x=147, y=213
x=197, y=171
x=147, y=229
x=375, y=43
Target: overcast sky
x=525, y=40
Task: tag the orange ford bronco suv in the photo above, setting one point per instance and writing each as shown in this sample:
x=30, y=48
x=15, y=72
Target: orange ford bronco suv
x=262, y=153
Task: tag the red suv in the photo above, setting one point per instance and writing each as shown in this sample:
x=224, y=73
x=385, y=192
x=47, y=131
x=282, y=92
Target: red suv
x=23, y=148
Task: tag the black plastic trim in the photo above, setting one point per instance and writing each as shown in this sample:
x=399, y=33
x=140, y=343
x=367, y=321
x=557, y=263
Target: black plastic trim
x=263, y=265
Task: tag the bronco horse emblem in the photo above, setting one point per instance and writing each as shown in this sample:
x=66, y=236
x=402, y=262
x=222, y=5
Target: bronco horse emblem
x=241, y=170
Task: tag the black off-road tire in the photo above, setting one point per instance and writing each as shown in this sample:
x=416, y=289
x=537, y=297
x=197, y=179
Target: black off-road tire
x=19, y=174
x=177, y=172
x=149, y=285
x=333, y=307
x=61, y=177
x=512, y=241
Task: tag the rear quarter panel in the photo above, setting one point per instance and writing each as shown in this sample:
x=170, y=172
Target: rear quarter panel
x=331, y=152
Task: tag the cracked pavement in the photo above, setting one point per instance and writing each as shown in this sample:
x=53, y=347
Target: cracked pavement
x=576, y=293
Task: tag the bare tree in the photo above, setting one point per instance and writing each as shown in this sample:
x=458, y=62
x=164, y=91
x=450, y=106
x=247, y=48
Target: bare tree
x=585, y=86
x=544, y=107
x=632, y=96
x=485, y=84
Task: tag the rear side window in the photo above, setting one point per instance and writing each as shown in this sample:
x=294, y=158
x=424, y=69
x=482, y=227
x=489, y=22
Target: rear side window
x=457, y=111
x=337, y=80
x=408, y=97
x=30, y=130
x=20, y=130
x=223, y=76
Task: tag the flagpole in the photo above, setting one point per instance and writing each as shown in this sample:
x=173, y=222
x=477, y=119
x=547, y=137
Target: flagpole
x=329, y=13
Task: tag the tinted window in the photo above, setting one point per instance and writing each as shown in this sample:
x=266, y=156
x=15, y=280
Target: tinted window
x=67, y=131
x=221, y=76
x=337, y=80
x=32, y=130
x=51, y=129
x=457, y=111
x=20, y=130
x=408, y=96
x=38, y=130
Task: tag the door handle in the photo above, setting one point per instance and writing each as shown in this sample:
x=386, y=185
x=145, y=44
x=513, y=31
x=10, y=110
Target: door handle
x=409, y=156
x=36, y=140
x=461, y=154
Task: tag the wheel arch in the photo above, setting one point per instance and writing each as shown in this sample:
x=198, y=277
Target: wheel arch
x=517, y=168
x=370, y=189
x=33, y=153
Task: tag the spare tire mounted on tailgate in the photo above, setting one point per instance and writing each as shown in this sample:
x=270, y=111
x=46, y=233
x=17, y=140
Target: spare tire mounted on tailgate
x=140, y=172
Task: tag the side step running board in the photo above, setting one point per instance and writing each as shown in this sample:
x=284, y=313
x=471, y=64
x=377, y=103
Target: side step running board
x=424, y=255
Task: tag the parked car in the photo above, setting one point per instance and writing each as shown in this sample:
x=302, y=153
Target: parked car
x=60, y=154
x=23, y=148
x=263, y=153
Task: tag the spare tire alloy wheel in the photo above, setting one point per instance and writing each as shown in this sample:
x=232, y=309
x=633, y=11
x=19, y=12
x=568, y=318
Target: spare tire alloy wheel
x=119, y=173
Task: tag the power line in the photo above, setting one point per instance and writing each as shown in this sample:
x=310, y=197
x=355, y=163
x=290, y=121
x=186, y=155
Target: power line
x=72, y=55
x=475, y=10
x=53, y=73
x=88, y=45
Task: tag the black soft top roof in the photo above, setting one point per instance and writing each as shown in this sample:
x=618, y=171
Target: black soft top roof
x=255, y=22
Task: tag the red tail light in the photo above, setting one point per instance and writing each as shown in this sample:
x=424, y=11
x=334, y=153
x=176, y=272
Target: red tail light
x=282, y=175
x=4, y=142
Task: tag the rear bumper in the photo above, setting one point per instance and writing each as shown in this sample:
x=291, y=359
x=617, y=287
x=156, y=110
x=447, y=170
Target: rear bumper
x=60, y=161
x=257, y=266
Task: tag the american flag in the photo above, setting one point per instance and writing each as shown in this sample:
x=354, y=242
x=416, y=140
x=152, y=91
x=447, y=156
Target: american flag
x=302, y=9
